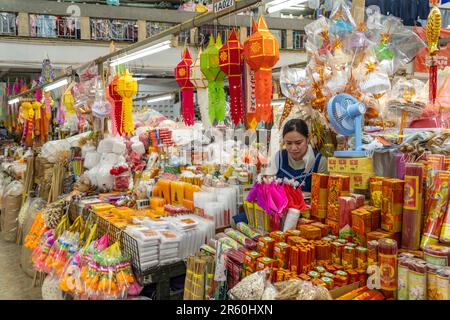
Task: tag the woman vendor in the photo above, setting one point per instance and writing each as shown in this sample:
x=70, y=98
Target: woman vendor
x=298, y=160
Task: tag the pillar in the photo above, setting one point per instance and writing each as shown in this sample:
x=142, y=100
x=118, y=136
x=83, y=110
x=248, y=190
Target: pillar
x=23, y=27
x=142, y=30
x=85, y=26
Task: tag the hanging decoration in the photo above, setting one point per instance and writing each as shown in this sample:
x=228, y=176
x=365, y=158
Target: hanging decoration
x=68, y=102
x=28, y=119
x=101, y=108
x=261, y=52
x=231, y=63
x=37, y=122
x=249, y=81
x=209, y=63
x=433, y=33
x=127, y=88
x=116, y=104
x=47, y=73
x=182, y=76
x=200, y=83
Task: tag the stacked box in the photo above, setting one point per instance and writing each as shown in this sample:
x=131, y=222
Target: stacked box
x=360, y=170
x=392, y=205
x=361, y=224
x=319, y=195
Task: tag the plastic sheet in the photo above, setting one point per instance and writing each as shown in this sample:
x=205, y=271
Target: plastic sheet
x=11, y=204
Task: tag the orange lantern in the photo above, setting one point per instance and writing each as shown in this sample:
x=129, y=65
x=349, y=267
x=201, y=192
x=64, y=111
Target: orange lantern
x=261, y=51
x=231, y=63
x=182, y=76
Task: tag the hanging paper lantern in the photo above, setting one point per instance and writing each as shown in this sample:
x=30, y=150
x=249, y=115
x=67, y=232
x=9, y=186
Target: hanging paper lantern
x=261, y=51
x=209, y=63
x=182, y=76
x=127, y=88
x=28, y=118
x=199, y=81
x=116, y=104
x=231, y=63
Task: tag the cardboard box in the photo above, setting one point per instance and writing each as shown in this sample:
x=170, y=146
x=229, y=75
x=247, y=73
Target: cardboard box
x=342, y=165
x=360, y=165
x=360, y=181
x=392, y=205
x=332, y=164
x=334, y=226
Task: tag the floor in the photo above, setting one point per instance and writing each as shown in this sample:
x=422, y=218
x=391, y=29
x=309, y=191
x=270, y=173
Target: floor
x=15, y=284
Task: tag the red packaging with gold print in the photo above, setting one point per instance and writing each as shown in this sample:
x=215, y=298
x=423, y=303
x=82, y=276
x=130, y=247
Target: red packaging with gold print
x=319, y=195
x=338, y=186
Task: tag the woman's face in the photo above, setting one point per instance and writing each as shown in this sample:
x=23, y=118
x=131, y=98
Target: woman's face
x=296, y=144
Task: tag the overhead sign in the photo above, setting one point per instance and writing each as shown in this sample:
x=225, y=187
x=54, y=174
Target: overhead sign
x=223, y=4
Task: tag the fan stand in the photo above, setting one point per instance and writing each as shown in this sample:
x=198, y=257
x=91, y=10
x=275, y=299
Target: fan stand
x=358, y=152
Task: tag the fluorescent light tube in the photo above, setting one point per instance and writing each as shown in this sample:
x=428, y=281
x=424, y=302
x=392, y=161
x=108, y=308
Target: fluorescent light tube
x=284, y=5
x=56, y=85
x=162, y=98
x=12, y=101
x=142, y=53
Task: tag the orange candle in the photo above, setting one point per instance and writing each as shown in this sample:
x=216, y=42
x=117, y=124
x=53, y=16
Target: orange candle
x=165, y=189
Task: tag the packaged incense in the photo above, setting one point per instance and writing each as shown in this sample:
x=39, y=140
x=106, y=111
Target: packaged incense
x=375, y=188
x=417, y=280
x=338, y=186
x=412, y=206
x=392, y=205
x=436, y=206
x=402, y=279
x=387, y=262
x=319, y=195
x=346, y=205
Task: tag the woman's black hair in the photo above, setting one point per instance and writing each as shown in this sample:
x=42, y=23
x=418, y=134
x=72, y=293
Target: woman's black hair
x=297, y=125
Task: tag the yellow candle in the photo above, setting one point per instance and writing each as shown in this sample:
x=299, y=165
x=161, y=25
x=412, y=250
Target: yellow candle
x=189, y=191
x=157, y=202
x=165, y=189
x=177, y=192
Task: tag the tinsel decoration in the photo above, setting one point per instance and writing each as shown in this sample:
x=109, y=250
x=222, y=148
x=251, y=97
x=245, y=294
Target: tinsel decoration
x=127, y=88
x=262, y=52
x=199, y=81
x=288, y=106
x=231, y=63
x=433, y=33
x=182, y=76
x=116, y=104
x=209, y=63
x=28, y=118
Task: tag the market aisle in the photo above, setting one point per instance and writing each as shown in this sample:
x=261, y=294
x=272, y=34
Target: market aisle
x=14, y=283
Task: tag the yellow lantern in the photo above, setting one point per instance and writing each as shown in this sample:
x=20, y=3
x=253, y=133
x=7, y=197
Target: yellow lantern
x=127, y=88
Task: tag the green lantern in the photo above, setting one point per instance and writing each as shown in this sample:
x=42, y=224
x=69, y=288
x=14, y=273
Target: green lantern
x=210, y=66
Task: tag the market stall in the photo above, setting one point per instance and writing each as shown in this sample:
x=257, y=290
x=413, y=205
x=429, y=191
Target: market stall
x=111, y=203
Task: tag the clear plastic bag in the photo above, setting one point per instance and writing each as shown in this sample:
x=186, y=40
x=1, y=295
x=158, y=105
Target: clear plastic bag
x=250, y=288
x=294, y=83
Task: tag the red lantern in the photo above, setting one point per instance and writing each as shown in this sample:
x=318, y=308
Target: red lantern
x=231, y=63
x=261, y=52
x=182, y=76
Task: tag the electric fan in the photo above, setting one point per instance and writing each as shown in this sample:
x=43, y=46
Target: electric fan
x=346, y=114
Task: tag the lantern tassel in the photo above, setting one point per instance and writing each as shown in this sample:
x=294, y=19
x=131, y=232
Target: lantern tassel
x=236, y=104
x=202, y=99
x=187, y=96
x=263, y=95
x=221, y=100
x=212, y=100
x=433, y=83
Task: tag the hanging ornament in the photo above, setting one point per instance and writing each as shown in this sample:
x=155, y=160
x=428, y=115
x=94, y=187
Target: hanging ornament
x=182, y=76
x=37, y=121
x=250, y=86
x=28, y=118
x=288, y=106
x=116, y=103
x=47, y=73
x=101, y=108
x=69, y=107
x=127, y=88
x=433, y=33
x=45, y=115
x=199, y=81
x=209, y=63
x=261, y=51
x=231, y=63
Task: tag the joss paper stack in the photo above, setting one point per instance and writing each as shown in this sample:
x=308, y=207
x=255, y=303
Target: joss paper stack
x=338, y=186
x=412, y=206
x=376, y=186
x=319, y=195
x=392, y=205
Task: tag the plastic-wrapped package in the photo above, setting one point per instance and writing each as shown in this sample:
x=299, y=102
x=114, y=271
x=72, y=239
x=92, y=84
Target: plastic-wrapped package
x=294, y=83
x=91, y=159
x=249, y=288
x=51, y=290
x=318, y=36
x=51, y=149
x=118, y=146
x=88, y=147
x=105, y=181
x=106, y=145
x=11, y=204
x=108, y=159
x=342, y=18
x=138, y=147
